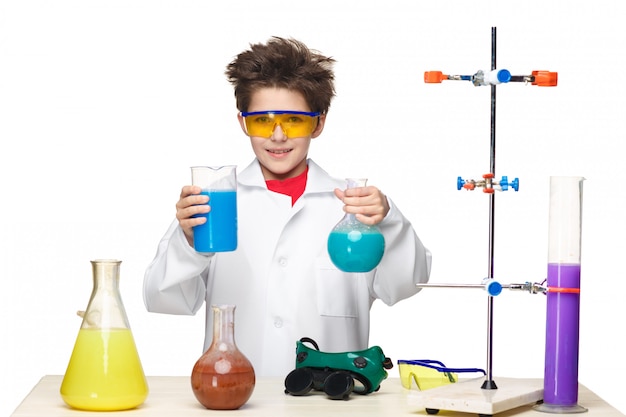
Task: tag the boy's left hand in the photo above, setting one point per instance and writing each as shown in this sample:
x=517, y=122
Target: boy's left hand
x=369, y=204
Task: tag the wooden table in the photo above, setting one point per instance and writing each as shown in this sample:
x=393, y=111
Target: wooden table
x=171, y=396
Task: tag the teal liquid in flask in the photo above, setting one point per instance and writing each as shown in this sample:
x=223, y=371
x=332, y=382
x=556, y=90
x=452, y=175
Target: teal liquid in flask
x=354, y=246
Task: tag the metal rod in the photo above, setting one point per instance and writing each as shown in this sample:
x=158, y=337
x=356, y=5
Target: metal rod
x=433, y=285
x=526, y=286
x=489, y=383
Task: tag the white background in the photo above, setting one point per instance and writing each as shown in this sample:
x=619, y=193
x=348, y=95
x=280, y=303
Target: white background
x=104, y=105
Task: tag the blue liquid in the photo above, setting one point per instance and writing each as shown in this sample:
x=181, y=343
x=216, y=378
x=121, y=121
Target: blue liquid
x=219, y=233
x=356, y=250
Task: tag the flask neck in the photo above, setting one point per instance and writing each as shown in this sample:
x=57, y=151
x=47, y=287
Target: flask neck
x=224, y=324
x=353, y=183
x=105, y=309
x=356, y=182
x=106, y=274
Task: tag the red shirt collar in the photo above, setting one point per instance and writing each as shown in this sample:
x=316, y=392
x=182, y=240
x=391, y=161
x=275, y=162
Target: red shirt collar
x=293, y=187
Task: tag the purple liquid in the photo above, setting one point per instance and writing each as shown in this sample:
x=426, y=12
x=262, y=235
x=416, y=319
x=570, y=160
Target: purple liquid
x=219, y=233
x=562, y=337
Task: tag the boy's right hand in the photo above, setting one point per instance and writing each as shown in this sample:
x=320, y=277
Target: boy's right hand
x=189, y=204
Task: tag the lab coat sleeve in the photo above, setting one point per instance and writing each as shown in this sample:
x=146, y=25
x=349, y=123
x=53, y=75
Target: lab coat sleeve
x=406, y=261
x=175, y=281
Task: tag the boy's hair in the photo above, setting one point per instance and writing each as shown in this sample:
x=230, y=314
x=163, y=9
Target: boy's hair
x=283, y=63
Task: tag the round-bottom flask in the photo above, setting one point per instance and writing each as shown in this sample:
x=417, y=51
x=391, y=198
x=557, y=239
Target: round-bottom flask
x=354, y=246
x=223, y=378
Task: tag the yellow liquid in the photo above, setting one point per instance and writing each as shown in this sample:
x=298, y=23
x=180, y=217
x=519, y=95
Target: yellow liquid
x=104, y=373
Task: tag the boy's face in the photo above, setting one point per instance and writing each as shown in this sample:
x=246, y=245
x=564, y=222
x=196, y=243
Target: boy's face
x=281, y=157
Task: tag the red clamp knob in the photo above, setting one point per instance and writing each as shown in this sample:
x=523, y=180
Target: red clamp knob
x=434, y=77
x=545, y=78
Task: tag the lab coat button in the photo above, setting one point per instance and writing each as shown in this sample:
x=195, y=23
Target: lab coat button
x=282, y=262
x=278, y=323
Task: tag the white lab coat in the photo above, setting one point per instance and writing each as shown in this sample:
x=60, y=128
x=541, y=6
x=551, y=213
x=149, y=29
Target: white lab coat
x=281, y=278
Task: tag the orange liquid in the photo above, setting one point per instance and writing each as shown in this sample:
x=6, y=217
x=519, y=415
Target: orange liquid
x=223, y=380
x=104, y=373
x=223, y=391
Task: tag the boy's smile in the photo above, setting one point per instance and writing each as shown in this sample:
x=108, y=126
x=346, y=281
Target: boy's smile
x=281, y=157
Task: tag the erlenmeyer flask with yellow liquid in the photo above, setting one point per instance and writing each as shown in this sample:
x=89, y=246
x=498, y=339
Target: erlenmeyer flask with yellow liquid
x=104, y=372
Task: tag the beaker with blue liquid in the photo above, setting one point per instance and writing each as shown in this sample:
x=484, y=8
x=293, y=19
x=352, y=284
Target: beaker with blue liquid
x=219, y=232
x=354, y=246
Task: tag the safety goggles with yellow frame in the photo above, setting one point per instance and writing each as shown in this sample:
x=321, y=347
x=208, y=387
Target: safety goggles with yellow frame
x=294, y=124
x=429, y=374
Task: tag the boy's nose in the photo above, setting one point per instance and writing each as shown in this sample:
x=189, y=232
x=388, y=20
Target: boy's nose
x=278, y=133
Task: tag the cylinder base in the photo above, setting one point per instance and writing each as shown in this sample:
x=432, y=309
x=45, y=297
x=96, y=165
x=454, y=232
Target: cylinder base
x=560, y=409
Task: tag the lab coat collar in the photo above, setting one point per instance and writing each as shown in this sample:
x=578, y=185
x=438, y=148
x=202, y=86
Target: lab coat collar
x=318, y=180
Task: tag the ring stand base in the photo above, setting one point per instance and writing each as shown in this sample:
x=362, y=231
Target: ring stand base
x=560, y=409
x=469, y=397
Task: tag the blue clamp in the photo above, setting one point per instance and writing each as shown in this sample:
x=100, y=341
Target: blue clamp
x=504, y=183
x=504, y=76
x=492, y=287
x=459, y=183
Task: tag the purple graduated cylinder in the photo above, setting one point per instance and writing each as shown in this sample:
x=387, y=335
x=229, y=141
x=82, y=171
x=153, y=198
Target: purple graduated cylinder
x=562, y=336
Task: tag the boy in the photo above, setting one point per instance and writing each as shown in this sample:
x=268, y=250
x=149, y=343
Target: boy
x=280, y=277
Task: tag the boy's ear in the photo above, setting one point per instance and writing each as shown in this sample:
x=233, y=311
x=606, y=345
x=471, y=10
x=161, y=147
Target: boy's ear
x=319, y=127
x=241, y=123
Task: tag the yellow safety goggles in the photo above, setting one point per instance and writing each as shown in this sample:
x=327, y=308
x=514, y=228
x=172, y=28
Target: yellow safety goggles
x=429, y=374
x=294, y=124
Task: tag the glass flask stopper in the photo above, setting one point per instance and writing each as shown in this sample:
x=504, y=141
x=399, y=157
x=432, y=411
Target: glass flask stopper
x=104, y=372
x=354, y=246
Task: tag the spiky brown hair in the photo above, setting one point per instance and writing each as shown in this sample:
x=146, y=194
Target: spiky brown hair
x=283, y=63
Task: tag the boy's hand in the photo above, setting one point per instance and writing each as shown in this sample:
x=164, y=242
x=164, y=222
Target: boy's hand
x=369, y=204
x=191, y=203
